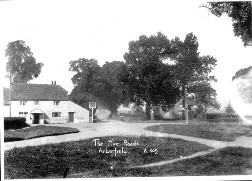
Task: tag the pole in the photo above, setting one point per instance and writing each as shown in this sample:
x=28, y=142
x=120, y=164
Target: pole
x=92, y=115
x=186, y=116
x=10, y=94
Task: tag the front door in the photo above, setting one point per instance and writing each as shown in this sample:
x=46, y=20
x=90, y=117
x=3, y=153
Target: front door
x=36, y=118
x=71, y=116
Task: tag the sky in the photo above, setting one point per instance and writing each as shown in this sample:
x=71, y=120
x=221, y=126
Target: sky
x=59, y=31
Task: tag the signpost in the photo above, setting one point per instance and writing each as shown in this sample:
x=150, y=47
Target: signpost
x=186, y=110
x=92, y=106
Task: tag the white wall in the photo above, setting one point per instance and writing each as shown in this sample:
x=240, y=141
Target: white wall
x=80, y=115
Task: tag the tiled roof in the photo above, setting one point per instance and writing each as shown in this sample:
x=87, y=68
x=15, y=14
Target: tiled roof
x=46, y=92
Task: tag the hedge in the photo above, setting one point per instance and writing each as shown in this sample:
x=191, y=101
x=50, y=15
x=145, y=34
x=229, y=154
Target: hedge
x=14, y=123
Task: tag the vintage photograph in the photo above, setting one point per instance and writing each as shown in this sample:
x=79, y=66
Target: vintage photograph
x=126, y=89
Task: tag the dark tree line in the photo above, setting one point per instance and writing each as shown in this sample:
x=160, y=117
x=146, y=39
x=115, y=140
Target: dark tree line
x=156, y=71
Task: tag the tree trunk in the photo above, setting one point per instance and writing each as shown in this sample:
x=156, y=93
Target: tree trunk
x=205, y=112
x=183, y=102
x=152, y=113
x=147, y=111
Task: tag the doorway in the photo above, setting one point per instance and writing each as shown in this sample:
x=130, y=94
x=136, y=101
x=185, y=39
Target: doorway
x=36, y=118
x=70, y=117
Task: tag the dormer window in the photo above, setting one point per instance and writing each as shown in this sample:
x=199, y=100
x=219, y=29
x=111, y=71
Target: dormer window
x=23, y=102
x=56, y=102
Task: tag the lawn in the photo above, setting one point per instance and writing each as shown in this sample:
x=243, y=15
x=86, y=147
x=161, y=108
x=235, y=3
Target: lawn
x=35, y=132
x=85, y=158
x=212, y=131
x=226, y=161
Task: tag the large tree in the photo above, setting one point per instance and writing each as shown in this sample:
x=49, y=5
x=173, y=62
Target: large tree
x=190, y=69
x=146, y=77
x=21, y=63
x=85, y=81
x=113, y=93
x=241, y=14
x=95, y=83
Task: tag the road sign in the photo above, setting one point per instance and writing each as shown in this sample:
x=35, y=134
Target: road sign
x=92, y=105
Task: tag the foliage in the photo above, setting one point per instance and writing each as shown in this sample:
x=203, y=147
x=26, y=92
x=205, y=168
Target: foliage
x=146, y=77
x=242, y=72
x=14, y=123
x=85, y=81
x=114, y=94
x=205, y=97
x=95, y=83
x=195, y=68
x=21, y=63
x=240, y=12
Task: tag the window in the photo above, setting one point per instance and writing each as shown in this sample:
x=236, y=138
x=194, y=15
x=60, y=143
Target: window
x=56, y=114
x=23, y=102
x=23, y=114
x=36, y=102
x=20, y=114
x=56, y=102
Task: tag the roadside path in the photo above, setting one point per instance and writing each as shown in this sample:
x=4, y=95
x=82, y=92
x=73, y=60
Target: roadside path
x=118, y=128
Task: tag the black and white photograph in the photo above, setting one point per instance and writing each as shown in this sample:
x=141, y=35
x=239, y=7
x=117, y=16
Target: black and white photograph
x=123, y=89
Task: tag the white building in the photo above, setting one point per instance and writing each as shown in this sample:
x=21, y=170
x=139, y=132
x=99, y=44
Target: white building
x=42, y=103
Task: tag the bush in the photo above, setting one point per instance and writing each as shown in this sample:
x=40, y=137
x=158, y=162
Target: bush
x=14, y=123
x=212, y=116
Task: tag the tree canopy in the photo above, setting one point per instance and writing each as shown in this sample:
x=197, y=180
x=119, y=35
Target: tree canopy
x=21, y=63
x=240, y=12
x=95, y=83
x=189, y=68
x=205, y=97
x=145, y=75
x=242, y=72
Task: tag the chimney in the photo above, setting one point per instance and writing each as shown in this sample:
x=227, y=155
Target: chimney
x=54, y=82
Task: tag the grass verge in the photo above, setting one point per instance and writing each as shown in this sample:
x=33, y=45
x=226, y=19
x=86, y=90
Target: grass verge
x=35, y=132
x=213, y=131
x=226, y=161
x=83, y=157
